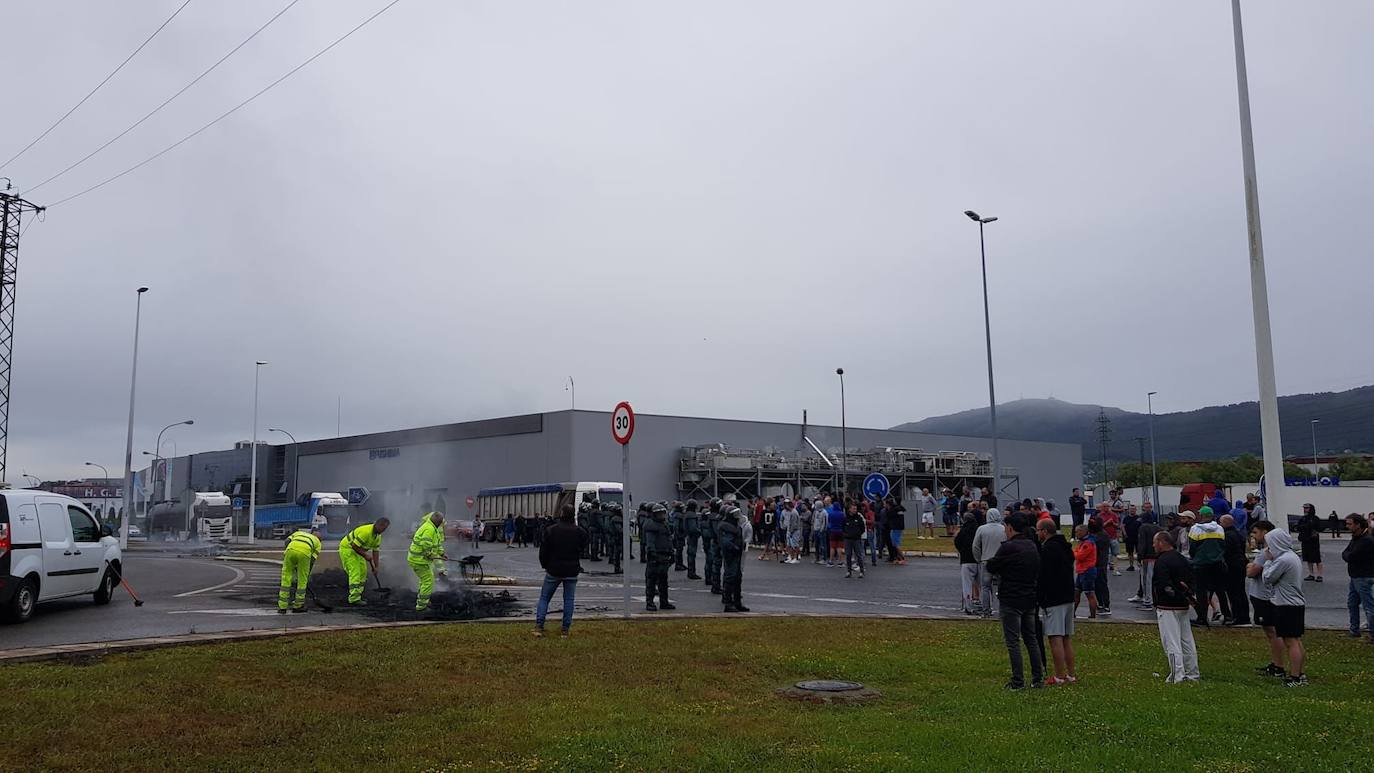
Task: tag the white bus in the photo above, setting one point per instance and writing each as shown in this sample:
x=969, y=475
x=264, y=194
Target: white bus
x=494, y=504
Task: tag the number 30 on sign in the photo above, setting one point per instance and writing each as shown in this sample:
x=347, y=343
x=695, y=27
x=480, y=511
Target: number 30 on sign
x=623, y=423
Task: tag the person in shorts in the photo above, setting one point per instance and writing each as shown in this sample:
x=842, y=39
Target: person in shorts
x=1085, y=570
x=1056, y=589
x=1282, y=574
x=1261, y=602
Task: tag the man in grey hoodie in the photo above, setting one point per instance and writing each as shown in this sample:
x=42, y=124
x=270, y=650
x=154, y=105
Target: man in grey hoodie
x=1282, y=574
x=1262, y=601
x=986, y=540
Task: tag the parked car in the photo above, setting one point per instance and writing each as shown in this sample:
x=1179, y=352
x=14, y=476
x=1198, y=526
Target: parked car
x=52, y=548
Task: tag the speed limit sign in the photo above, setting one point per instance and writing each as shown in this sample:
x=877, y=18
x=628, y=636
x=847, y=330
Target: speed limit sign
x=623, y=423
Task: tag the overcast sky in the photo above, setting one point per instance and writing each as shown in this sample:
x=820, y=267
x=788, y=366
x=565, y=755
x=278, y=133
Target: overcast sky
x=702, y=208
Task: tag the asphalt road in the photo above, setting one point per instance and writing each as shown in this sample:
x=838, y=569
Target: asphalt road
x=199, y=595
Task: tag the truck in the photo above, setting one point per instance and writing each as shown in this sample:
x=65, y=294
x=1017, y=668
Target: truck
x=279, y=521
x=494, y=504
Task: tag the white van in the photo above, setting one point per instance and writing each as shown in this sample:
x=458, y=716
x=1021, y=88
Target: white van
x=51, y=548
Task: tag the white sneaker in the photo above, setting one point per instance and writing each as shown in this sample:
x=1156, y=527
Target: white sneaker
x=1134, y=599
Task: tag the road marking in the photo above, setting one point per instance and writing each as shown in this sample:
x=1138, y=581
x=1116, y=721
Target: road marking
x=253, y=612
x=778, y=596
x=835, y=601
x=238, y=577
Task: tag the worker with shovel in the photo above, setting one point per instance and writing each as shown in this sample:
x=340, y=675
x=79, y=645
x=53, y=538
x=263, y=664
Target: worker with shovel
x=302, y=548
x=426, y=551
x=357, y=551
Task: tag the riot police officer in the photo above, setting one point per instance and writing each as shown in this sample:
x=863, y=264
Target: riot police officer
x=596, y=529
x=642, y=516
x=730, y=541
x=584, y=520
x=657, y=543
x=711, y=536
x=675, y=520
x=615, y=548
x=691, y=528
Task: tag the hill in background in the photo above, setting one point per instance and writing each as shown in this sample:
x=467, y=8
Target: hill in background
x=1216, y=432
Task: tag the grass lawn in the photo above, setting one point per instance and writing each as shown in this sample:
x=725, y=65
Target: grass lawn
x=682, y=695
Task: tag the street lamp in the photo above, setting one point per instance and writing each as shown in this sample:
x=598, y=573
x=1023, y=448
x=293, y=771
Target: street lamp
x=284, y=432
x=1271, y=442
x=102, y=469
x=572, y=387
x=158, y=455
x=129, y=439
x=1154, y=475
x=36, y=481
x=987, y=330
x=253, y=480
x=1315, y=422
x=844, y=442
x=295, y=476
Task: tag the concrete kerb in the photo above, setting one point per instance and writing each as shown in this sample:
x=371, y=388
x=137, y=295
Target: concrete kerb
x=100, y=649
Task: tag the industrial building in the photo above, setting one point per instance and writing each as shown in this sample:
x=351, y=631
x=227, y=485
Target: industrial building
x=671, y=457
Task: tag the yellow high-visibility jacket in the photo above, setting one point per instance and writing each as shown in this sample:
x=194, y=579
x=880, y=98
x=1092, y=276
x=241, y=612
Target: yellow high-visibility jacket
x=364, y=537
x=428, y=543
x=304, y=543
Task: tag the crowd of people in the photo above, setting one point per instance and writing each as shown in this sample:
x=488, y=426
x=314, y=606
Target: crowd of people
x=1223, y=564
x=1195, y=570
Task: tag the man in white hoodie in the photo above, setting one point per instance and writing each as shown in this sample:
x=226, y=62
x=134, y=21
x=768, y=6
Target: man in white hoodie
x=1282, y=575
x=986, y=540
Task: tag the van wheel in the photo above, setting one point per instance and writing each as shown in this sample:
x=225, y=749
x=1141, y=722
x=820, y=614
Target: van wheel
x=105, y=592
x=22, y=603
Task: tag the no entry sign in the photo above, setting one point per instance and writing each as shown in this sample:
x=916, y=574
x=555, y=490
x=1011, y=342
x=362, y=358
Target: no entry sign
x=623, y=423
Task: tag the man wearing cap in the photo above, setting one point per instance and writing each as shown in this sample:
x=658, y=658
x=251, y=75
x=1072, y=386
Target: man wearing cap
x=302, y=548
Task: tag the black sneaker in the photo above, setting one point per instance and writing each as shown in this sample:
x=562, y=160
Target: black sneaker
x=1296, y=681
x=1271, y=670
x=1014, y=686
x=1130, y=568
x=649, y=607
x=666, y=605
x=1104, y=612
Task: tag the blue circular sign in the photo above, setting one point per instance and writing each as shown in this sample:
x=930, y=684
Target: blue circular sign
x=876, y=486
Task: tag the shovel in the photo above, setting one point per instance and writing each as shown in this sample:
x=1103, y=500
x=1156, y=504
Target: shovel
x=380, y=589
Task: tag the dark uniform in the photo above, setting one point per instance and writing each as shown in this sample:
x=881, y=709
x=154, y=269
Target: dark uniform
x=730, y=544
x=691, y=528
x=656, y=542
x=597, y=531
x=675, y=520
x=616, y=519
x=640, y=517
x=584, y=520
x=711, y=540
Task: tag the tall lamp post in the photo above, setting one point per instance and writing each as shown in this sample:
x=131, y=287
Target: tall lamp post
x=295, y=475
x=572, y=387
x=844, y=442
x=160, y=457
x=1154, y=474
x=1315, y=471
x=102, y=469
x=987, y=331
x=253, y=477
x=1272, y=444
x=129, y=439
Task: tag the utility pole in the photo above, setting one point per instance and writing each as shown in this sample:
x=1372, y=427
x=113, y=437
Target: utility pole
x=12, y=210
x=1104, y=438
x=1141, y=442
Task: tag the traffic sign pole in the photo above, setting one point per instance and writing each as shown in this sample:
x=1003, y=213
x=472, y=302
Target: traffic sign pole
x=627, y=502
x=622, y=429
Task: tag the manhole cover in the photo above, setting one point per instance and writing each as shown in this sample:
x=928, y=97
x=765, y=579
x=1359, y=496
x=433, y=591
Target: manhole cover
x=828, y=685
x=828, y=691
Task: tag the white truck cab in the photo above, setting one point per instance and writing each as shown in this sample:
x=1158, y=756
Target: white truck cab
x=51, y=547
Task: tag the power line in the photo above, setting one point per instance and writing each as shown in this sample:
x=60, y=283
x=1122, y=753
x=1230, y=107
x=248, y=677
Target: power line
x=228, y=112
x=98, y=86
x=165, y=102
